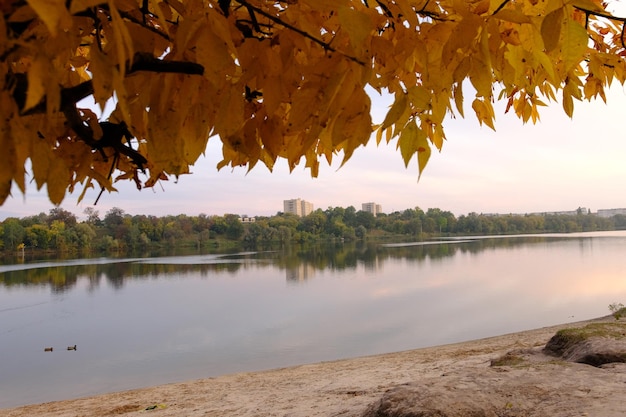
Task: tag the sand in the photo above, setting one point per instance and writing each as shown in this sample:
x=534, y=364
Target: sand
x=348, y=387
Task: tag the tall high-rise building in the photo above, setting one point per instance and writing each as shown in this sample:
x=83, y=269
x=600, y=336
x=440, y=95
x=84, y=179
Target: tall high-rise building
x=373, y=208
x=307, y=208
x=298, y=207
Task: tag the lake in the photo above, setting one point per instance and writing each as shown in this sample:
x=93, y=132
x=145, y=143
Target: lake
x=146, y=321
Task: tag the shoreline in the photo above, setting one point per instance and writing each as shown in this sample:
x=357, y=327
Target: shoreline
x=336, y=388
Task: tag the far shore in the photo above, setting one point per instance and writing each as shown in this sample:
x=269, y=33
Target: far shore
x=338, y=388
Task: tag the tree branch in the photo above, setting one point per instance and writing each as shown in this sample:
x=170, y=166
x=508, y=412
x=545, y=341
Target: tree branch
x=500, y=7
x=301, y=32
x=112, y=136
x=605, y=16
x=144, y=61
x=601, y=14
x=89, y=12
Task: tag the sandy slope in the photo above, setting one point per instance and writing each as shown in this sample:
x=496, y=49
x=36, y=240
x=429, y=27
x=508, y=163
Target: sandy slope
x=347, y=387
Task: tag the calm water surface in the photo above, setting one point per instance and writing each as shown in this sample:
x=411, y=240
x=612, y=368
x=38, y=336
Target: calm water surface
x=147, y=321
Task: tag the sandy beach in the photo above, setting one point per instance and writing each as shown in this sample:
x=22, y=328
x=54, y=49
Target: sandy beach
x=349, y=387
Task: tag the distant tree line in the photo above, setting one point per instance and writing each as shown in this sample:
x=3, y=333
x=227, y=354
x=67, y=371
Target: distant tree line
x=61, y=231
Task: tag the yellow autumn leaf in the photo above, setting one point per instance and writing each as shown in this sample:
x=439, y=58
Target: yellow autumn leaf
x=457, y=92
x=37, y=75
x=195, y=130
x=551, y=29
x=230, y=114
x=587, y=5
x=546, y=63
x=419, y=97
x=359, y=26
x=423, y=152
x=407, y=142
x=53, y=13
x=481, y=75
x=379, y=135
x=568, y=104
x=41, y=157
x=213, y=54
x=437, y=137
x=398, y=107
x=58, y=177
x=463, y=38
x=123, y=41
x=8, y=151
x=102, y=70
x=484, y=112
x=512, y=15
x=574, y=43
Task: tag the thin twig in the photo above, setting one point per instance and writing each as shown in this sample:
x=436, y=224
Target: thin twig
x=501, y=6
x=301, y=32
x=115, y=159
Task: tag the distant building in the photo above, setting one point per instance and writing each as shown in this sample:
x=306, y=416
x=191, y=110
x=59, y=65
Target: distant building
x=579, y=210
x=247, y=219
x=307, y=208
x=298, y=207
x=373, y=208
x=611, y=212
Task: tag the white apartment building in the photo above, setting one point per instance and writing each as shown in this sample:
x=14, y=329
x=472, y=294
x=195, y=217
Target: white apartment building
x=298, y=207
x=373, y=208
x=611, y=212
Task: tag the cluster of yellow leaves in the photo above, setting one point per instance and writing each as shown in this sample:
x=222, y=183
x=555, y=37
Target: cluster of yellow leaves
x=279, y=79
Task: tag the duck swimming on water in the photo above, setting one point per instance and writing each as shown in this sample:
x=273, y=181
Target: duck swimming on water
x=71, y=347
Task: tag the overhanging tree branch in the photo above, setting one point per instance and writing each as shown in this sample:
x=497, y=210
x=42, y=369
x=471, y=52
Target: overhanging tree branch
x=142, y=61
x=113, y=133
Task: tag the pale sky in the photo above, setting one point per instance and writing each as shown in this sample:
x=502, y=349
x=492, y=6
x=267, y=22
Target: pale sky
x=558, y=164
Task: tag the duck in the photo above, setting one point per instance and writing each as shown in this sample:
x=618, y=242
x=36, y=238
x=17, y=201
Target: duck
x=47, y=349
x=71, y=347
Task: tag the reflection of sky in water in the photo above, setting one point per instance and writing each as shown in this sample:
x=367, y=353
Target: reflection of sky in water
x=199, y=323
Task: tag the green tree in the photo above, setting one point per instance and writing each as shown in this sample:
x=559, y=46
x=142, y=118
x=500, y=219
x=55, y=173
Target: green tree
x=93, y=216
x=619, y=221
x=58, y=214
x=114, y=224
x=171, y=232
x=287, y=220
x=13, y=233
x=218, y=225
x=349, y=217
x=314, y=223
x=365, y=219
x=253, y=233
x=234, y=227
x=59, y=236
x=38, y=236
x=85, y=235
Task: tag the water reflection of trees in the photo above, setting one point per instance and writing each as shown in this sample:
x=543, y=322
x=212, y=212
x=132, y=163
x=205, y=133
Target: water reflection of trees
x=300, y=262
x=66, y=277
